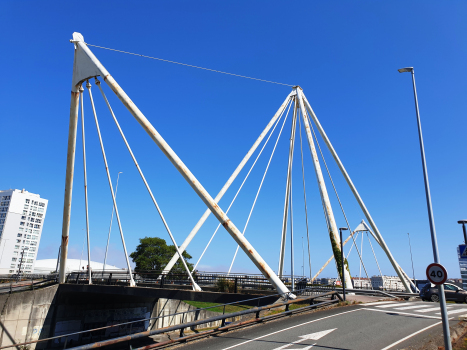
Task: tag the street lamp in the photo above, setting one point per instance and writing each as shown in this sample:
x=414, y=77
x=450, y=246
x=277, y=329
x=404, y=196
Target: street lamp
x=342, y=258
x=463, y=222
x=434, y=243
x=110, y=228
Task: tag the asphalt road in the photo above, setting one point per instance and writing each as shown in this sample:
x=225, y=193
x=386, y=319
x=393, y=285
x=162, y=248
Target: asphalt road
x=382, y=325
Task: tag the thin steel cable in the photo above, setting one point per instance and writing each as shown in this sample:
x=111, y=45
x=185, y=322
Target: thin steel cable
x=110, y=227
x=280, y=271
x=304, y=193
x=195, y=286
x=292, y=265
x=256, y=198
x=132, y=281
x=335, y=191
x=190, y=65
x=85, y=186
x=246, y=177
x=380, y=273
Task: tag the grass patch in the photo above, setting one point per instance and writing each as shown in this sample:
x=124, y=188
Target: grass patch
x=228, y=308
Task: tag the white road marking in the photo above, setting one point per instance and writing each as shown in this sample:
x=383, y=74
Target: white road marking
x=431, y=309
x=286, y=329
x=453, y=312
x=410, y=336
x=378, y=303
x=317, y=335
x=403, y=313
x=390, y=305
x=412, y=307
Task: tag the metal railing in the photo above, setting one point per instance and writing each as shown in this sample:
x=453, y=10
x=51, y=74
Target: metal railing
x=10, y=284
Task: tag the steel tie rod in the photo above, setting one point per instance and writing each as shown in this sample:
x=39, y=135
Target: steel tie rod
x=132, y=281
x=195, y=286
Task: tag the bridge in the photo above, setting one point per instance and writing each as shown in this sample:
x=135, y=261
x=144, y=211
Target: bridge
x=74, y=303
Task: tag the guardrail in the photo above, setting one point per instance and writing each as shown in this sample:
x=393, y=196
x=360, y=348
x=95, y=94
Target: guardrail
x=232, y=283
x=9, y=284
x=51, y=342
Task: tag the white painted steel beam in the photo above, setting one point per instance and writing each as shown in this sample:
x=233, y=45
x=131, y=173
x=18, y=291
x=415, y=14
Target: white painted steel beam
x=323, y=191
x=356, y=194
x=186, y=173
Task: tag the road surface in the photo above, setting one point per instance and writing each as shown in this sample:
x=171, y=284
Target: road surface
x=380, y=325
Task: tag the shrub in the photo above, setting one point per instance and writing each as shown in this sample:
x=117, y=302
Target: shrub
x=225, y=285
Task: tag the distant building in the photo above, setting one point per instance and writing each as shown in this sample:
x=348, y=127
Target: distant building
x=22, y=217
x=361, y=283
x=387, y=282
x=329, y=281
x=46, y=266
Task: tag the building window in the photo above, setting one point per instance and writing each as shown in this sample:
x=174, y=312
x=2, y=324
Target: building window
x=13, y=259
x=12, y=266
x=16, y=246
x=42, y=204
x=6, y=198
x=37, y=226
x=2, y=221
x=30, y=261
x=22, y=223
x=27, y=201
x=33, y=214
x=33, y=249
x=19, y=235
x=3, y=215
x=26, y=206
x=18, y=241
x=33, y=243
x=40, y=215
x=4, y=204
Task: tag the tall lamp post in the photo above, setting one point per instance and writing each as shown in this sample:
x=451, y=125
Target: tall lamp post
x=342, y=259
x=110, y=228
x=463, y=222
x=434, y=242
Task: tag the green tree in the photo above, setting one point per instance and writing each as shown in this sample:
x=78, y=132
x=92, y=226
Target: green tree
x=153, y=253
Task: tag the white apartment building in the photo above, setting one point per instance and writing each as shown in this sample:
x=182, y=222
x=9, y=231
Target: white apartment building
x=22, y=217
x=361, y=283
x=387, y=282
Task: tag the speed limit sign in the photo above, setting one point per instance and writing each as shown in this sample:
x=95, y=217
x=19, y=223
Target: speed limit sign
x=436, y=273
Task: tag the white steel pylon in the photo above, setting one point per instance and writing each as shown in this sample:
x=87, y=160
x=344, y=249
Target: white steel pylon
x=87, y=66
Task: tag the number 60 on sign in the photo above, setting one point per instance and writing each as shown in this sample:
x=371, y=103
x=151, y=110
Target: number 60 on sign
x=436, y=273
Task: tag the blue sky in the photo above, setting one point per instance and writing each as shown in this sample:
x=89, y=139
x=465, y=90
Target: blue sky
x=345, y=56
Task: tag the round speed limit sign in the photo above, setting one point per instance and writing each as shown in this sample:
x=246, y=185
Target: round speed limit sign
x=436, y=273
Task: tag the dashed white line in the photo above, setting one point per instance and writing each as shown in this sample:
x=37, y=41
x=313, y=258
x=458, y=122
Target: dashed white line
x=402, y=313
x=379, y=303
x=390, y=305
x=454, y=312
x=431, y=309
x=412, y=307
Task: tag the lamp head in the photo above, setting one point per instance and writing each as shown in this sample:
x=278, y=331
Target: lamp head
x=406, y=69
x=343, y=228
x=462, y=222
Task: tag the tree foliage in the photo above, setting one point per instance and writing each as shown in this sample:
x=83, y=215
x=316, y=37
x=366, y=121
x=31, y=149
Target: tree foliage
x=153, y=253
